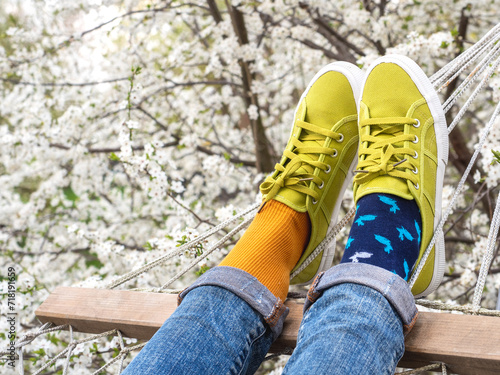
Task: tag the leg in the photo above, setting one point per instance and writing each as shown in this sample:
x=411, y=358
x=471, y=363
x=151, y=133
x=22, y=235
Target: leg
x=229, y=317
x=356, y=324
x=212, y=332
x=373, y=345
x=364, y=306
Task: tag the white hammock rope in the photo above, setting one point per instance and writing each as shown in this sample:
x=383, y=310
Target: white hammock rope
x=486, y=63
x=478, y=89
x=464, y=58
x=464, y=309
x=208, y=252
x=330, y=236
x=181, y=249
x=461, y=66
x=120, y=357
x=474, y=75
x=487, y=257
x=456, y=194
x=71, y=345
x=487, y=52
x=434, y=366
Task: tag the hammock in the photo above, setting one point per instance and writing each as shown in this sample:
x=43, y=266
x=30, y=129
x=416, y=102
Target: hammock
x=481, y=60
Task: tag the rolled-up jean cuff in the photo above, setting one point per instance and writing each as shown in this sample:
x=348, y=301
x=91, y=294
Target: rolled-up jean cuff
x=390, y=285
x=249, y=289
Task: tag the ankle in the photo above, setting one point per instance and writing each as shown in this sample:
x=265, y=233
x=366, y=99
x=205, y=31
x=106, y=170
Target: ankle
x=272, y=246
x=385, y=233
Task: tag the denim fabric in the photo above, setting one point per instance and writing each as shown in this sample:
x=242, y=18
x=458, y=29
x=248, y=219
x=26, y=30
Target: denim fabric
x=247, y=288
x=350, y=329
x=212, y=332
x=389, y=285
x=353, y=323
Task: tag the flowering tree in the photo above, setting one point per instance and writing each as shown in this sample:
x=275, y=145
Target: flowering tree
x=129, y=127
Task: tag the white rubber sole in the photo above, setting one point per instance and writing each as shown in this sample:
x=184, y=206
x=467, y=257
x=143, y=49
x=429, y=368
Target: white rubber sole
x=425, y=87
x=354, y=75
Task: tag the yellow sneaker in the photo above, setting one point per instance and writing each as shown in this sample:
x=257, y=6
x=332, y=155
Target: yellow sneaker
x=319, y=159
x=404, y=150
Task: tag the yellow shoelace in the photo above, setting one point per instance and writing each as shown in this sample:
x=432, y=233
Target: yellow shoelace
x=297, y=170
x=384, y=151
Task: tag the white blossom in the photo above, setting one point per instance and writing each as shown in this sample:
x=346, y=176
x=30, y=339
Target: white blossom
x=253, y=112
x=103, y=168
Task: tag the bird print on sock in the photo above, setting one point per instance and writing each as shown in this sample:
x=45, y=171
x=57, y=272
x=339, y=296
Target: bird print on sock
x=418, y=231
x=362, y=254
x=407, y=270
x=349, y=241
x=386, y=242
x=391, y=202
x=386, y=233
x=403, y=233
x=361, y=220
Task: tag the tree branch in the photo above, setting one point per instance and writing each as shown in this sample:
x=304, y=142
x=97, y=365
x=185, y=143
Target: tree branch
x=108, y=150
x=327, y=52
x=206, y=221
x=265, y=156
x=71, y=39
x=343, y=46
x=62, y=84
x=214, y=11
x=232, y=159
x=461, y=156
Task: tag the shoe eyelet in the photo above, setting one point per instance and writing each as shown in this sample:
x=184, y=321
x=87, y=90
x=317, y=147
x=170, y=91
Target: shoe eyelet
x=335, y=153
x=416, y=140
x=329, y=169
x=415, y=171
x=417, y=186
x=321, y=186
x=341, y=138
x=416, y=155
x=314, y=201
x=417, y=125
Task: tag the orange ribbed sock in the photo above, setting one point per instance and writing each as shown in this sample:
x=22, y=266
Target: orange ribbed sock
x=272, y=246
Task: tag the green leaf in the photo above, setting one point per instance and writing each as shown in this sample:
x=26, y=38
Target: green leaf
x=39, y=351
x=203, y=268
x=182, y=241
x=22, y=241
x=93, y=261
x=69, y=194
x=496, y=156
x=114, y=157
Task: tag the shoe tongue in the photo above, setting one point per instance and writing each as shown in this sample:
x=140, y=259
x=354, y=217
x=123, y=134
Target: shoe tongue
x=290, y=197
x=319, y=117
x=384, y=184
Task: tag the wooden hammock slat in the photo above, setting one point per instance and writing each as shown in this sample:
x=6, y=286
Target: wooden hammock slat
x=467, y=344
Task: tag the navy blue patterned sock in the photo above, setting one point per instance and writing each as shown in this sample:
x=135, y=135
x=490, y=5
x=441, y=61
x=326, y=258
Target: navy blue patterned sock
x=385, y=233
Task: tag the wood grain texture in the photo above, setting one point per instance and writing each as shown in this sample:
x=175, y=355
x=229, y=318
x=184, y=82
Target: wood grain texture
x=467, y=344
x=135, y=314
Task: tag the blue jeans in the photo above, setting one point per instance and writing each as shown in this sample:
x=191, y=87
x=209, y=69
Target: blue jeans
x=355, y=318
